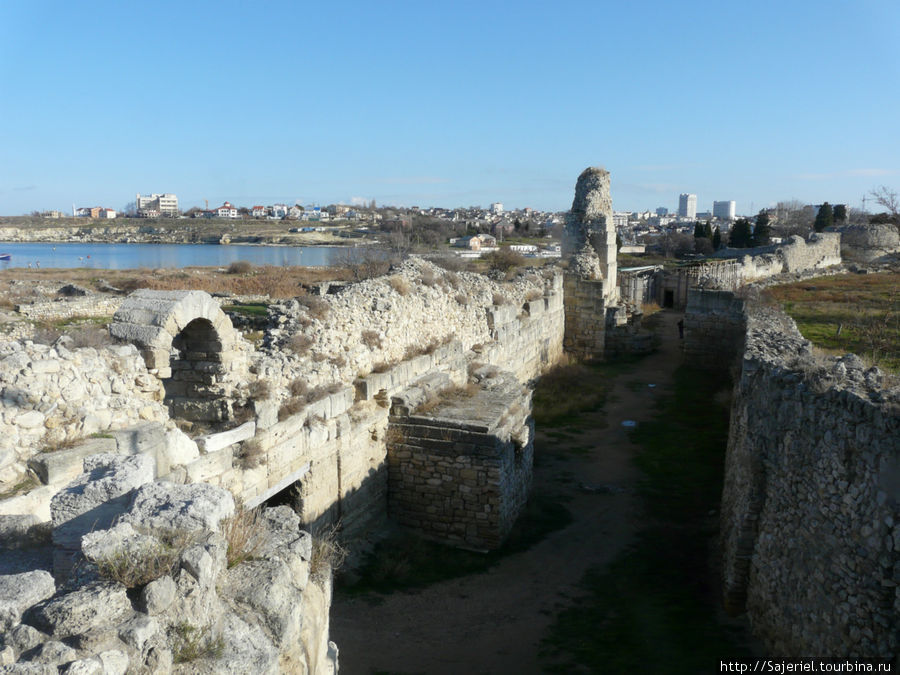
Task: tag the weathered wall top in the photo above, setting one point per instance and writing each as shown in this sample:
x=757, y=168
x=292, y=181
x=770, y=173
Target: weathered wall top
x=592, y=201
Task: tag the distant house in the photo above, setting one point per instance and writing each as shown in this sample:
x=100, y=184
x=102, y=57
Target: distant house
x=472, y=243
x=259, y=212
x=295, y=212
x=504, y=228
x=94, y=212
x=108, y=213
x=487, y=240
x=227, y=210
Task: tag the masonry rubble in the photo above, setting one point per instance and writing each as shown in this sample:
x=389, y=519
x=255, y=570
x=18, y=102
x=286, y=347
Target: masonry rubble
x=195, y=614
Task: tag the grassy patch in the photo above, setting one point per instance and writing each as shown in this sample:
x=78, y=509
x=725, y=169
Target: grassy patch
x=848, y=313
x=654, y=608
x=404, y=561
x=252, y=310
x=566, y=392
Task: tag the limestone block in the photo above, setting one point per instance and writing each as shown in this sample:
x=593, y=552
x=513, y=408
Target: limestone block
x=18, y=592
x=62, y=466
x=158, y=595
x=214, y=442
x=89, y=608
x=167, y=506
x=179, y=448
x=97, y=496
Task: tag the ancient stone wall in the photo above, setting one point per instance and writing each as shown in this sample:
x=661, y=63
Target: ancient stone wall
x=72, y=308
x=53, y=396
x=734, y=268
x=460, y=471
x=811, y=502
x=714, y=326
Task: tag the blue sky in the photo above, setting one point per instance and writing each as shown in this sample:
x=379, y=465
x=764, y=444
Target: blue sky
x=447, y=104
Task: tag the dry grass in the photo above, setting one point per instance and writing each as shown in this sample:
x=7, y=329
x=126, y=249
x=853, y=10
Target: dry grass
x=298, y=387
x=276, y=282
x=328, y=554
x=449, y=395
x=260, y=390
x=251, y=454
x=400, y=285
x=190, y=643
x=499, y=299
x=291, y=407
x=371, y=339
x=428, y=277
x=316, y=307
x=137, y=567
x=381, y=367
x=339, y=361
x=650, y=308
x=462, y=299
x=245, y=534
x=299, y=344
x=533, y=295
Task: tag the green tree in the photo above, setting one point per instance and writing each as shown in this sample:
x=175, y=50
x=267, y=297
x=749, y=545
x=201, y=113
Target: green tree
x=741, y=234
x=707, y=230
x=717, y=239
x=824, y=218
x=840, y=213
x=762, y=232
x=698, y=230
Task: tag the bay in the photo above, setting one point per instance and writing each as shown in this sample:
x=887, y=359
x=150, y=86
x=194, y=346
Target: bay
x=48, y=255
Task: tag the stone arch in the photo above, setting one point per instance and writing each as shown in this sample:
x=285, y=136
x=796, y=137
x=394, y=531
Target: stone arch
x=189, y=343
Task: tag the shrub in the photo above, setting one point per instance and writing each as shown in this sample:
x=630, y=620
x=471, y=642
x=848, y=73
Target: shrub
x=446, y=396
x=46, y=334
x=371, y=339
x=499, y=299
x=298, y=387
x=428, y=277
x=338, y=361
x=260, y=390
x=245, y=534
x=327, y=554
x=533, y=294
x=239, y=267
x=400, y=285
x=316, y=307
x=300, y=344
x=291, y=407
x=251, y=454
x=462, y=299
x=505, y=260
x=381, y=367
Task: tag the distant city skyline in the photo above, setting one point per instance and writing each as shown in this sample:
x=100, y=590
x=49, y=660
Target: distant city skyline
x=456, y=104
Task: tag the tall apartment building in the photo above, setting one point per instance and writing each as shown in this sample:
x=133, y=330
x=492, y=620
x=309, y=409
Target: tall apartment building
x=687, y=205
x=164, y=204
x=724, y=210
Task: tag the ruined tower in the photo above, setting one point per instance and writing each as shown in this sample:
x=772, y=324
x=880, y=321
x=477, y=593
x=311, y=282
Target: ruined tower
x=590, y=243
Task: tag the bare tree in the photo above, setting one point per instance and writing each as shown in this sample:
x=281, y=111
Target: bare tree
x=887, y=198
x=792, y=217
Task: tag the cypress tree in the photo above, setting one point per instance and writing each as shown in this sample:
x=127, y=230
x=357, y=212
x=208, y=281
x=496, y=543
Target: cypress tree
x=717, y=238
x=824, y=218
x=741, y=234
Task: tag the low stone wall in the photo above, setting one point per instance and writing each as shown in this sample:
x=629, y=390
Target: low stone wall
x=66, y=309
x=811, y=502
x=734, y=268
x=714, y=326
x=52, y=396
x=460, y=473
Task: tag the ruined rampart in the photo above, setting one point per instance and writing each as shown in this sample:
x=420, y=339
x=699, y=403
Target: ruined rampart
x=811, y=501
x=733, y=268
x=714, y=325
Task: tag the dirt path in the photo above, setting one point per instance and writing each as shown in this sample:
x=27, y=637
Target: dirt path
x=494, y=622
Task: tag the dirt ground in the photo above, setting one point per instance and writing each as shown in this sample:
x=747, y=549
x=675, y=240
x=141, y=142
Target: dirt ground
x=494, y=622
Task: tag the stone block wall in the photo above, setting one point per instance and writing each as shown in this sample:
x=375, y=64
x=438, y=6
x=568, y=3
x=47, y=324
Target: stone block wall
x=53, y=396
x=714, y=326
x=461, y=473
x=811, y=501
x=585, y=319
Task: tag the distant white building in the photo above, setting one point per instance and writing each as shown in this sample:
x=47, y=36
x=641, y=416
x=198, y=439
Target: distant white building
x=227, y=210
x=163, y=204
x=620, y=219
x=724, y=210
x=687, y=205
x=496, y=207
